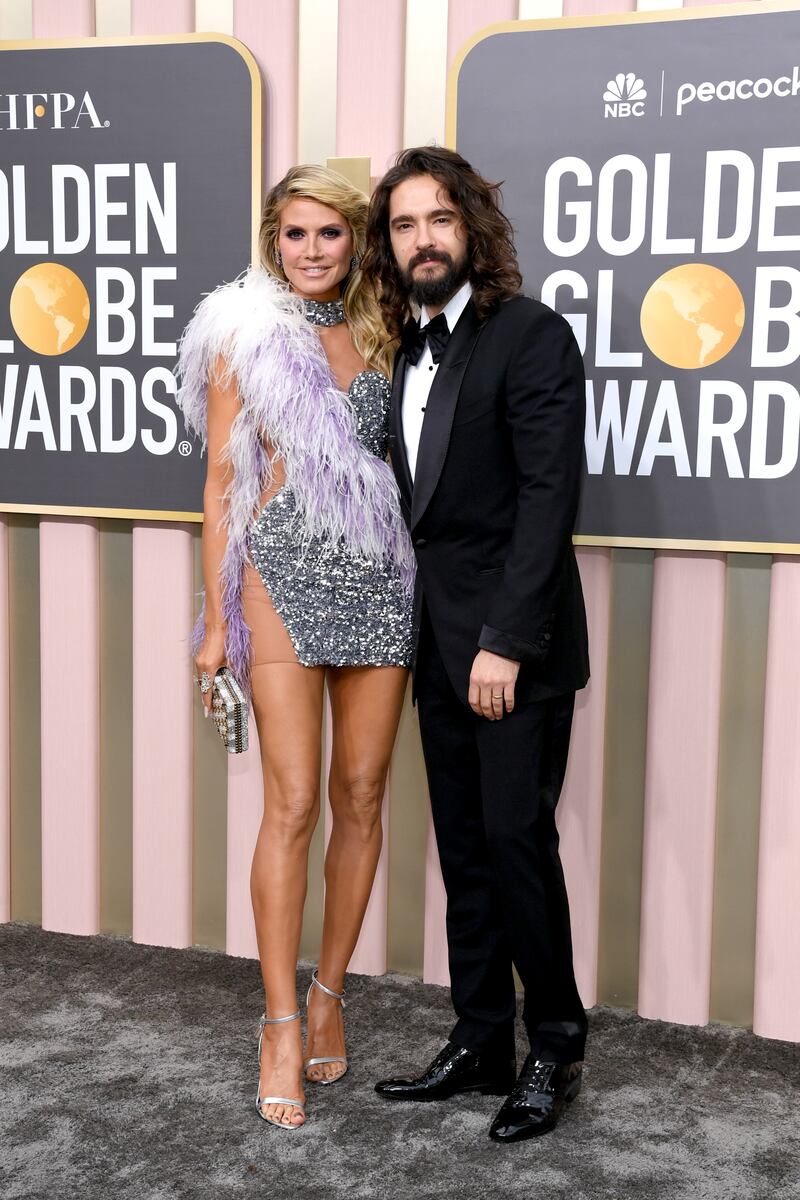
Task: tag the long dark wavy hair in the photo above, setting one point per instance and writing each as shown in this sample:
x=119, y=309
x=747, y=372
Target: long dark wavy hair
x=493, y=273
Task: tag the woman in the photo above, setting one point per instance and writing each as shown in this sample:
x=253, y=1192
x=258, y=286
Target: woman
x=308, y=573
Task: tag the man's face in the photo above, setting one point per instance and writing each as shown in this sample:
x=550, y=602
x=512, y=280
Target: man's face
x=429, y=240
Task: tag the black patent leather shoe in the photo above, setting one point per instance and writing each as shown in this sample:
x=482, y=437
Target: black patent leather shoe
x=454, y=1070
x=542, y=1093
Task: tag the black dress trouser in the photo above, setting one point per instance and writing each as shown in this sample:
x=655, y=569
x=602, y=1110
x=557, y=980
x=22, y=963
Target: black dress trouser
x=494, y=786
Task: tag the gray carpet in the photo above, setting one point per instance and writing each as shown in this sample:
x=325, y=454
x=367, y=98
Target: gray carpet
x=129, y=1072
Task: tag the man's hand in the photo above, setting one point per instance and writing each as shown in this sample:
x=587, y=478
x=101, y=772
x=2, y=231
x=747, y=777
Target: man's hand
x=491, y=685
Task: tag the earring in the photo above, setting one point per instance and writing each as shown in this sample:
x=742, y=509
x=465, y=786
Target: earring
x=279, y=258
x=354, y=262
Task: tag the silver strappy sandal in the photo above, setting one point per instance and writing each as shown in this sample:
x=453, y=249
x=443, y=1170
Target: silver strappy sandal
x=262, y=1100
x=336, y=1058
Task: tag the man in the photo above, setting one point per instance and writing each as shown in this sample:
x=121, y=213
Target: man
x=486, y=441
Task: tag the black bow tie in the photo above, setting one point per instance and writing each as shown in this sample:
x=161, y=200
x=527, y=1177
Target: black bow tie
x=435, y=333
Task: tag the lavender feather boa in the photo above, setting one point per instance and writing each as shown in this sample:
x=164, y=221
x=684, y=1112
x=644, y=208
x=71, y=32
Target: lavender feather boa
x=290, y=400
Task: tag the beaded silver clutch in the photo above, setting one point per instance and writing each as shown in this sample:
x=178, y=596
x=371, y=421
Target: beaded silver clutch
x=229, y=711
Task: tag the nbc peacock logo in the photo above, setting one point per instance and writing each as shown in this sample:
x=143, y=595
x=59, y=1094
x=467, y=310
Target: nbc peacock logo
x=624, y=96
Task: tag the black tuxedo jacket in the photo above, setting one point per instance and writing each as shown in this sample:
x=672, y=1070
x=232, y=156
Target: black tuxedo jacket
x=493, y=504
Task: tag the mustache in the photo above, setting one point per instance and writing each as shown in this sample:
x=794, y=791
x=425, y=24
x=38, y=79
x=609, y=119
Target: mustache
x=430, y=256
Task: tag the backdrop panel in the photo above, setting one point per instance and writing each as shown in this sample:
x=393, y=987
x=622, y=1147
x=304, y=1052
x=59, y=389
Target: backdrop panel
x=128, y=192
x=656, y=204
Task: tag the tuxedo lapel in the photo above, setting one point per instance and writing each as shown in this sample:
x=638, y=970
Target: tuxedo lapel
x=440, y=410
x=397, y=441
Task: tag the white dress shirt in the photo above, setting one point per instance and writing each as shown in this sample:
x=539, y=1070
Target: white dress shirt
x=418, y=379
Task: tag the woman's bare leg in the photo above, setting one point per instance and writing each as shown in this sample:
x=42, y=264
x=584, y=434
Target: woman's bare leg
x=366, y=703
x=287, y=702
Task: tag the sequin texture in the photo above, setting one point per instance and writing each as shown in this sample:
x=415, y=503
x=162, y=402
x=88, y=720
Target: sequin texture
x=339, y=608
x=324, y=312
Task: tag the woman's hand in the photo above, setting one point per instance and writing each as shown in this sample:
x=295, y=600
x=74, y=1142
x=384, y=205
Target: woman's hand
x=210, y=658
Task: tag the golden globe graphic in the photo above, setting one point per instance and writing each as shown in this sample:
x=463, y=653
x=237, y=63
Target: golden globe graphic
x=49, y=308
x=692, y=316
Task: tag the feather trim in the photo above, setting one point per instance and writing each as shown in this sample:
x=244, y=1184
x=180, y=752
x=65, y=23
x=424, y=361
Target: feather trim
x=258, y=329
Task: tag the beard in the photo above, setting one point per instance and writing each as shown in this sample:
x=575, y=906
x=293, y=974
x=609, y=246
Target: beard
x=435, y=290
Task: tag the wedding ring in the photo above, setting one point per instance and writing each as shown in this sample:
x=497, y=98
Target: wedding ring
x=497, y=695
x=205, y=683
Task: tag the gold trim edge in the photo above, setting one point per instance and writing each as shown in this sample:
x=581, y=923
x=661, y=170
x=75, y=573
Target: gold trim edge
x=691, y=544
x=68, y=510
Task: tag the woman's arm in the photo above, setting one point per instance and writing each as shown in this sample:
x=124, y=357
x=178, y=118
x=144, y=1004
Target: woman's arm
x=223, y=406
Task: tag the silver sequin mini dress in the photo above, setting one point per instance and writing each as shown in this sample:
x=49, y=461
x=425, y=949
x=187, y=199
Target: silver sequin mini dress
x=339, y=608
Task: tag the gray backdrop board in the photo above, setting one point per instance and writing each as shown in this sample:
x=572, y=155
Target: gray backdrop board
x=657, y=164
x=134, y=199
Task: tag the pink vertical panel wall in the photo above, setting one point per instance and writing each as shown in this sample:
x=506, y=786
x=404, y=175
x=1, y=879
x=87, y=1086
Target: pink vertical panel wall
x=70, y=680
x=580, y=813
x=466, y=17
x=69, y=665
x=681, y=786
x=777, y=970
x=162, y=735
x=592, y=8
x=162, y=16
x=269, y=29
x=5, y=764
x=369, y=101
x=55, y=19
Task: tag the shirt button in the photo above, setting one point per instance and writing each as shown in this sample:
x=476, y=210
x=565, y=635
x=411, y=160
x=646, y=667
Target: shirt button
x=430, y=368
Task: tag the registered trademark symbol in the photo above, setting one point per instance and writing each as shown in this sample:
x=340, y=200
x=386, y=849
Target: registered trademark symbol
x=184, y=448
x=106, y=124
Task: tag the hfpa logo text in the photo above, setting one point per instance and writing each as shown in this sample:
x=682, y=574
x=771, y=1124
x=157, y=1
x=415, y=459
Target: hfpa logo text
x=624, y=96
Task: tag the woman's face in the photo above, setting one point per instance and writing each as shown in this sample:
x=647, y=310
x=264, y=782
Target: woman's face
x=316, y=246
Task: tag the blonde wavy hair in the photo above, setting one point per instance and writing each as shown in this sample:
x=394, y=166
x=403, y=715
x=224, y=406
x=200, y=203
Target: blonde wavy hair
x=361, y=307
